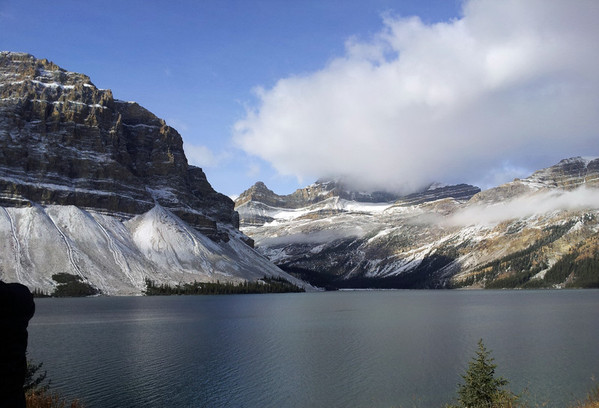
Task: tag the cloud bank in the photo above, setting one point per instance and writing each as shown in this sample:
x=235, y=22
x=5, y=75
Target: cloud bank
x=509, y=84
x=541, y=203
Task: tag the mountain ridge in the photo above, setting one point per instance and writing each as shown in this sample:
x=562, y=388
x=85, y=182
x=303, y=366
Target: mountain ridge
x=503, y=234
x=64, y=141
x=567, y=174
x=260, y=196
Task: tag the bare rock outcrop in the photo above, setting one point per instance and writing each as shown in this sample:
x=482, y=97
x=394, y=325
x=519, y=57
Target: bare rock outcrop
x=64, y=141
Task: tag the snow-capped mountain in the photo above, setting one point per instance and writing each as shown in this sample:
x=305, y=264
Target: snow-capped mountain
x=259, y=205
x=516, y=235
x=100, y=188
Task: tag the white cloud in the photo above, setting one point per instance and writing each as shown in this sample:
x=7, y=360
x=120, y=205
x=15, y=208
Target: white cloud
x=314, y=237
x=253, y=169
x=525, y=206
x=201, y=156
x=510, y=81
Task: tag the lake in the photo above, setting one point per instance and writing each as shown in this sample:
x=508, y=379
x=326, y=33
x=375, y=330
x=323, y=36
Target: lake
x=333, y=349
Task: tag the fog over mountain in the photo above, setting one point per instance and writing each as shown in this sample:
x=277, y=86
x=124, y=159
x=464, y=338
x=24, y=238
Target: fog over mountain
x=522, y=207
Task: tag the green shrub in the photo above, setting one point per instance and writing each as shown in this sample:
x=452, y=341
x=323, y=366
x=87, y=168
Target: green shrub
x=36, y=390
x=35, y=380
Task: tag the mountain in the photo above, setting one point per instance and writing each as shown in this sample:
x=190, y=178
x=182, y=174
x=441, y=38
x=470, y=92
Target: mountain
x=255, y=204
x=568, y=174
x=319, y=191
x=64, y=141
x=100, y=188
x=541, y=231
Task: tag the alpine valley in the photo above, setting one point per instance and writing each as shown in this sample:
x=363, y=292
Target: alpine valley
x=100, y=189
x=541, y=231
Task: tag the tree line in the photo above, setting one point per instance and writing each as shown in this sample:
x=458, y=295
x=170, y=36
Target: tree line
x=264, y=285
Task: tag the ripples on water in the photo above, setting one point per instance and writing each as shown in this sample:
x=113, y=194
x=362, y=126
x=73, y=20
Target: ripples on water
x=343, y=349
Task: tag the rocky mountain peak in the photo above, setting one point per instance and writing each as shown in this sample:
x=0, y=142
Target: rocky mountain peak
x=437, y=191
x=258, y=205
x=18, y=66
x=64, y=141
x=259, y=192
x=319, y=191
x=325, y=189
x=568, y=174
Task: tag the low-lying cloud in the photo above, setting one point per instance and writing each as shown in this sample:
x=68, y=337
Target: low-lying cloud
x=541, y=203
x=312, y=238
x=510, y=84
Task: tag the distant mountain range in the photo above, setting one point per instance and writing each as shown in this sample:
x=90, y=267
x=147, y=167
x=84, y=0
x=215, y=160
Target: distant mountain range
x=100, y=188
x=541, y=231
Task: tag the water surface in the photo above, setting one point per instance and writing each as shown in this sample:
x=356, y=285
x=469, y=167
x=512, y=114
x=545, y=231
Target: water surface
x=339, y=349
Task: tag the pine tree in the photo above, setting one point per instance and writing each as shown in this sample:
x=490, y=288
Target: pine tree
x=481, y=389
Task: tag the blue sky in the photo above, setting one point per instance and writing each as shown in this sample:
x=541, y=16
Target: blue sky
x=290, y=91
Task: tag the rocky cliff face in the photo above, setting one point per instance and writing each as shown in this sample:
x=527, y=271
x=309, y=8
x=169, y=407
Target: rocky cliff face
x=101, y=189
x=64, y=141
x=568, y=174
x=542, y=231
x=459, y=192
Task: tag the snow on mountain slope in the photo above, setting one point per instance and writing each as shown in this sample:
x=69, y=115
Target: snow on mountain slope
x=515, y=229
x=330, y=205
x=100, y=188
x=117, y=256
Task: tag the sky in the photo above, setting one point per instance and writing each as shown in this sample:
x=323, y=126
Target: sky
x=387, y=95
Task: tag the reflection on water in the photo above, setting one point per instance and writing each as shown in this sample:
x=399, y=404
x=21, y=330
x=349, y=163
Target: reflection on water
x=341, y=349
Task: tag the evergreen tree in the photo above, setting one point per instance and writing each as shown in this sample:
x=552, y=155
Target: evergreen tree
x=481, y=389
